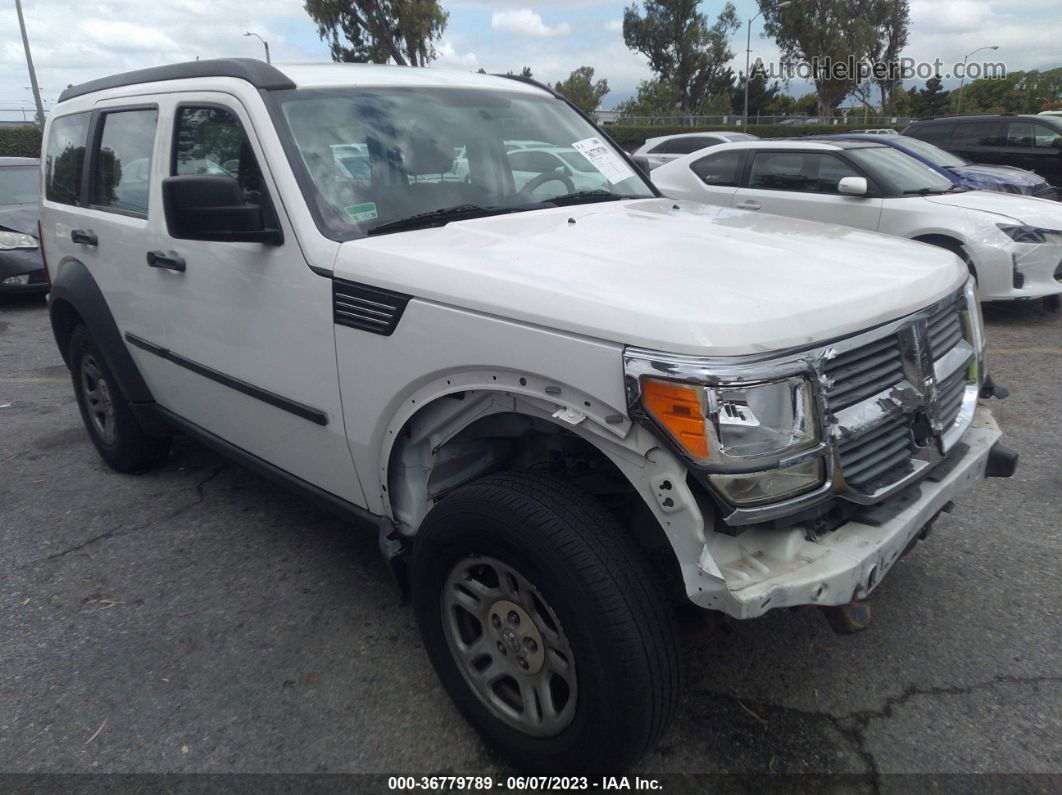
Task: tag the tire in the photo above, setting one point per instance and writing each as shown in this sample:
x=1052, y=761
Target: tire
x=589, y=597
x=118, y=437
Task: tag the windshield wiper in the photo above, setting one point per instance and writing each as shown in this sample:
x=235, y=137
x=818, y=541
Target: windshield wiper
x=587, y=196
x=441, y=217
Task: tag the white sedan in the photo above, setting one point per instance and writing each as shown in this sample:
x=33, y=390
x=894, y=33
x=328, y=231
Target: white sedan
x=656, y=152
x=1012, y=244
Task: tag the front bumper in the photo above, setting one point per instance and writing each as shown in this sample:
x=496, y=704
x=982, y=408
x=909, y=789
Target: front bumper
x=1017, y=271
x=766, y=568
x=19, y=262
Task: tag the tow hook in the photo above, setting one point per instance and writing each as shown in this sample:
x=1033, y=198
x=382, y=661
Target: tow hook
x=1002, y=462
x=848, y=619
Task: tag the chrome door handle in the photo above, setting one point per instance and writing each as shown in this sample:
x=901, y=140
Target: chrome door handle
x=168, y=260
x=748, y=205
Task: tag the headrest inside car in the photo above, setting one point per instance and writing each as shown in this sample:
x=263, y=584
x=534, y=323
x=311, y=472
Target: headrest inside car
x=426, y=153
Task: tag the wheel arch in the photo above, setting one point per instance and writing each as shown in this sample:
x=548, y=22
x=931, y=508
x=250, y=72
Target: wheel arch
x=75, y=298
x=949, y=242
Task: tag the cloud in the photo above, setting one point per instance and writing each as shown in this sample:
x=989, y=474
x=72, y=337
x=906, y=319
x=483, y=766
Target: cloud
x=526, y=22
x=448, y=56
x=613, y=26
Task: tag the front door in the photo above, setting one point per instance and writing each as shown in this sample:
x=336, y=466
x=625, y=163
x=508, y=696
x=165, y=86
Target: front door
x=238, y=338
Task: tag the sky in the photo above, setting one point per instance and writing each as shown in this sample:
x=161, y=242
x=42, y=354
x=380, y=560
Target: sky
x=553, y=37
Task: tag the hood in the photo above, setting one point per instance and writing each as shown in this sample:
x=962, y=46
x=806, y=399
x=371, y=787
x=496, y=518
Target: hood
x=20, y=218
x=1042, y=213
x=999, y=174
x=672, y=276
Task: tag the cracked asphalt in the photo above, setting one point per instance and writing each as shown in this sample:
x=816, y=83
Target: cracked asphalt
x=197, y=619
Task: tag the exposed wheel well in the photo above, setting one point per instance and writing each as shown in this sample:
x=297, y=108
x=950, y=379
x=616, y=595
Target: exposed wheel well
x=951, y=244
x=64, y=320
x=423, y=470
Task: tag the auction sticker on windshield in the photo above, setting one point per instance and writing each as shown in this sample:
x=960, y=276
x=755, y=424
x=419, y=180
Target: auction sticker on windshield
x=362, y=212
x=601, y=157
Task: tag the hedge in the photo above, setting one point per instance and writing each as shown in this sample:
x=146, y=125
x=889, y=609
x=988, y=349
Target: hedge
x=20, y=140
x=634, y=135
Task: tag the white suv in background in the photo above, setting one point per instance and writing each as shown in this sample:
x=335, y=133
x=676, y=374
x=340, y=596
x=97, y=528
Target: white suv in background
x=1012, y=244
x=656, y=152
x=557, y=432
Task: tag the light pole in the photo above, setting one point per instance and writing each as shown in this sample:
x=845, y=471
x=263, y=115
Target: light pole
x=966, y=60
x=264, y=43
x=748, y=54
x=29, y=63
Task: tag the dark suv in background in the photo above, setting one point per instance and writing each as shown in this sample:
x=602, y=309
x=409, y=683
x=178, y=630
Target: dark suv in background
x=1030, y=142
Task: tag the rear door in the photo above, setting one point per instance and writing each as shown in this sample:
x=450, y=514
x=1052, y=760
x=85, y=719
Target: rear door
x=1036, y=147
x=720, y=177
x=802, y=184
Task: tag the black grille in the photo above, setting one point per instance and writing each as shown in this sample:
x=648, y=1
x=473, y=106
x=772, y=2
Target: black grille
x=945, y=330
x=861, y=373
x=367, y=308
x=881, y=456
x=949, y=397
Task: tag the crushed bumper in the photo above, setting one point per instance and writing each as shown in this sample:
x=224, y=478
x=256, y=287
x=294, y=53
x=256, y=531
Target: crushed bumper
x=764, y=568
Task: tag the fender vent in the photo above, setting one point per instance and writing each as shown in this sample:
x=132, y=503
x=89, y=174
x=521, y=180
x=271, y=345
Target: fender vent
x=367, y=308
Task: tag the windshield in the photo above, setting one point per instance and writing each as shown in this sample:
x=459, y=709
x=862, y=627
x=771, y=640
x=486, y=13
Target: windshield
x=934, y=154
x=19, y=184
x=372, y=157
x=903, y=172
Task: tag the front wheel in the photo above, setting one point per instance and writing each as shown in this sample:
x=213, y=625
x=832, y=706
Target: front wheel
x=545, y=625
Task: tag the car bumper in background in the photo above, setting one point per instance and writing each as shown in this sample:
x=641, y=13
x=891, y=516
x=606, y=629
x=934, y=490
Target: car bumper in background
x=1017, y=271
x=22, y=271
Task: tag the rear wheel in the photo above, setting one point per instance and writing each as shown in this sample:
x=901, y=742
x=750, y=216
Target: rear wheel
x=545, y=625
x=118, y=437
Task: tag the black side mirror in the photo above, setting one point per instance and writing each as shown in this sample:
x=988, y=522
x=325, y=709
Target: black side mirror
x=207, y=207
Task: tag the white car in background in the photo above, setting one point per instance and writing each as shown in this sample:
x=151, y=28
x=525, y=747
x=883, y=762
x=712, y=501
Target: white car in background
x=657, y=151
x=1012, y=244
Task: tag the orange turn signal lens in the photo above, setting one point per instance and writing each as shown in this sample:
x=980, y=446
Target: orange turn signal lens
x=679, y=408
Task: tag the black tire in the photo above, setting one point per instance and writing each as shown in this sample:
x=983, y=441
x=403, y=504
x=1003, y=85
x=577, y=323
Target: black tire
x=118, y=437
x=594, y=580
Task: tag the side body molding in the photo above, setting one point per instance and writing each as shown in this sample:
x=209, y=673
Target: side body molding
x=74, y=295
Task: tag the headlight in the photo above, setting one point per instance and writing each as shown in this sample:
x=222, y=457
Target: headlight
x=743, y=434
x=1027, y=234
x=10, y=240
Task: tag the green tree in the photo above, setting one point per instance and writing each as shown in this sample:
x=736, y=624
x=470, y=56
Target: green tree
x=891, y=20
x=1018, y=92
x=822, y=33
x=654, y=98
x=582, y=90
x=762, y=96
x=685, y=52
x=525, y=73
x=375, y=31
x=933, y=99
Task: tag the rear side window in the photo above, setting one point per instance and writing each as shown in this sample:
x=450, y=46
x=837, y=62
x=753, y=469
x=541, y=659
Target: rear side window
x=1032, y=136
x=721, y=170
x=682, y=146
x=978, y=133
x=65, y=158
x=122, y=167
x=808, y=172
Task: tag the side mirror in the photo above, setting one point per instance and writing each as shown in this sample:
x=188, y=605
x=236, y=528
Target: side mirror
x=853, y=186
x=208, y=207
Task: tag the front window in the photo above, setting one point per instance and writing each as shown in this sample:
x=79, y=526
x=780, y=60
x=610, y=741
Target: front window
x=905, y=174
x=19, y=185
x=807, y=172
x=382, y=160
x=934, y=154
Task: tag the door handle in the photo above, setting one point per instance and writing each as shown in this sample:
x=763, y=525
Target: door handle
x=165, y=259
x=748, y=205
x=85, y=237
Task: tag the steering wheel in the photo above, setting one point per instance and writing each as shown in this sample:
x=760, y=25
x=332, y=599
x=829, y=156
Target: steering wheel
x=556, y=175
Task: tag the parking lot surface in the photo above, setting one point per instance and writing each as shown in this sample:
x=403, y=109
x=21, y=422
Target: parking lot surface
x=196, y=619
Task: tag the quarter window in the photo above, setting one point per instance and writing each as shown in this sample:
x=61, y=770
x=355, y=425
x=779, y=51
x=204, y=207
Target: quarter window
x=720, y=170
x=1032, y=136
x=807, y=172
x=65, y=158
x=123, y=160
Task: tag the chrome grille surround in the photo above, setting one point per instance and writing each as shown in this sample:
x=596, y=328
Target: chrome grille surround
x=893, y=400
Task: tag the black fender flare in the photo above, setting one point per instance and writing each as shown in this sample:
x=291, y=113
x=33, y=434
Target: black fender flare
x=75, y=297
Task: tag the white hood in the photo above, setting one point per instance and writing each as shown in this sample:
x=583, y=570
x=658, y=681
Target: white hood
x=1041, y=213
x=698, y=280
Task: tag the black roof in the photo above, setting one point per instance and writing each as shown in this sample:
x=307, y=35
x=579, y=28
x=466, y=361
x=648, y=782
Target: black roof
x=954, y=116
x=258, y=73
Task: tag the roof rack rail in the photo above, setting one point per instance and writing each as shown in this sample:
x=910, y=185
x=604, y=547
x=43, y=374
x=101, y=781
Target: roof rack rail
x=258, y=73
x=970, y=115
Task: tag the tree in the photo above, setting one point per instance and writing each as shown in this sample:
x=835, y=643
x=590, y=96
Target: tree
x=654, y=98
x=932, y=100
x=525, y=73
x=891, y=20
x=824, y=34
x=761, y=96
x=1018, y=92
x=685, y=53
x=582, y=91
x=376, y=31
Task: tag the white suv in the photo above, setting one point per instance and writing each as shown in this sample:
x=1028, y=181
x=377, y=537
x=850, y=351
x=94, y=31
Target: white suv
x=1012, y=244
x=563, y=416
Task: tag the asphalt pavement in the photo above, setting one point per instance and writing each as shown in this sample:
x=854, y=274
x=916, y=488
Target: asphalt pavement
x=196, y=619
